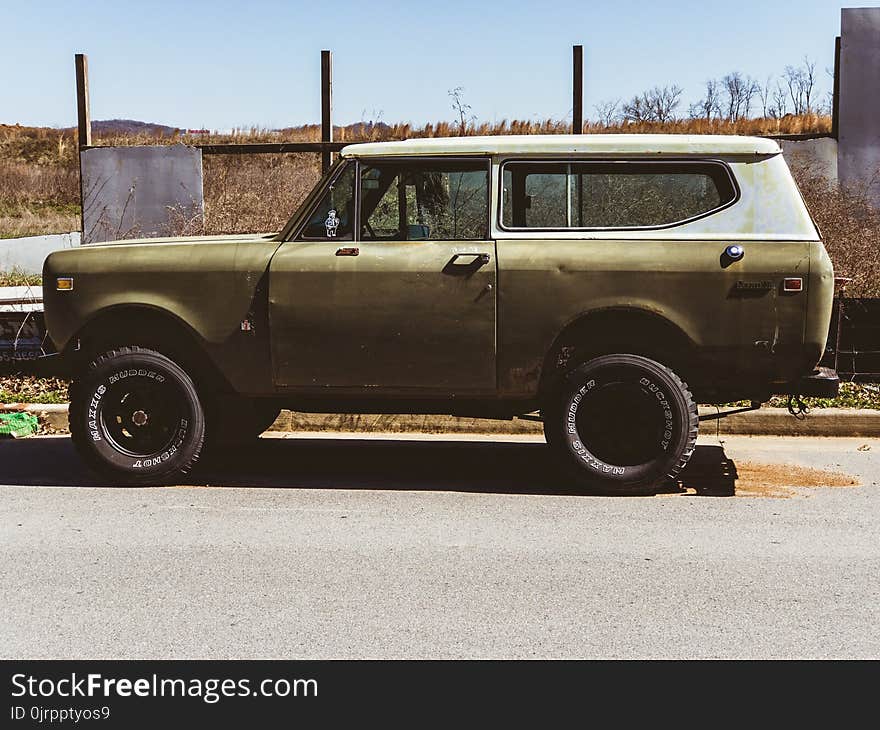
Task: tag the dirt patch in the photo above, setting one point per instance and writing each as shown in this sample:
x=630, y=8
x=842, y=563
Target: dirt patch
x=783, y=480
x=712, y=473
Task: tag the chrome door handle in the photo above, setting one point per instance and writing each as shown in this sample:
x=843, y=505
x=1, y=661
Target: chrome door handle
x=464, y=264
x=470, y=259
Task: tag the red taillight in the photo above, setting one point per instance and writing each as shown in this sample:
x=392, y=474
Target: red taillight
x=793, y=284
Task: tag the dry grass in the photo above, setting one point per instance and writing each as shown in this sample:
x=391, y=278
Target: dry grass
x=25, y=220
x=398, y=423
x=253, y=193
x=21, y=388
x=850, y=227
x=17, y=277
x=39, y=184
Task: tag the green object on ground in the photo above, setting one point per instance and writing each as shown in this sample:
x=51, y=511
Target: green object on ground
x=18, y=425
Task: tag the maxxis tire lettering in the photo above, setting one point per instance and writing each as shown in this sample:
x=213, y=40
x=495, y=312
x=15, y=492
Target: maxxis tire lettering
x=571, y=427
x=88, y=397
x=676, y=418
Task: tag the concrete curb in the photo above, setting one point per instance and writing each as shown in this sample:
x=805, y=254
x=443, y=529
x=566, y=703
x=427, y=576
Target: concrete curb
x=779, y=422
x=50, y=414
x=764, y=422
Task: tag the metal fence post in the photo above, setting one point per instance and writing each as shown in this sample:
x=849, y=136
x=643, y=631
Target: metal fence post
x=577, y=114
x=835, y=96
x=84, y=127
x=326, y=108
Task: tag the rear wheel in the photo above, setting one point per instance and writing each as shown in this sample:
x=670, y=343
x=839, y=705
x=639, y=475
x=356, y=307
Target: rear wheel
x=135, y=415
x=621, y=424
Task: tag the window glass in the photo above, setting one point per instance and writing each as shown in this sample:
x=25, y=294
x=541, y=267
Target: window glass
x=613, y=195
x=412, y=201
x=535, y=196
x=332, y=218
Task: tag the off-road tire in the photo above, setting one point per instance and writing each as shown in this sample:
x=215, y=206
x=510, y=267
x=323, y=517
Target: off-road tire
x=632, y=449
x=108, y=438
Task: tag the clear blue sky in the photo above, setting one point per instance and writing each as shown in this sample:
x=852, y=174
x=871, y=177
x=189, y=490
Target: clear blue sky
x=223, y=64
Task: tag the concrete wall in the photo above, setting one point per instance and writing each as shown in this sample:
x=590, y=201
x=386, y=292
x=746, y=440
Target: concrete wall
x=817, y=154
x=859, y=136
x=27, y=254
x=134, y=192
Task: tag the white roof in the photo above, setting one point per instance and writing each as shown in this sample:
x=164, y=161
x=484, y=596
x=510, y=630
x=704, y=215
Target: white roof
x=567, y=144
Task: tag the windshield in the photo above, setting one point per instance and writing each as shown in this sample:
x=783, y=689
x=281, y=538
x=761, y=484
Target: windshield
x=309, y=199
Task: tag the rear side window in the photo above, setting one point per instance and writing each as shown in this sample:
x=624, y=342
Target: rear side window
x=612, y=194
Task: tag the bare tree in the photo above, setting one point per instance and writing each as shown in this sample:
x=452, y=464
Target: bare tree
x=608, y=112
x=765, y=93
x=800, y=81
x=809, y=81
x=779, y=106
x=462, y=109
x=709, y=106
x=664, y=101
x=741, y=91
x=656, y=105
x=636, y=110
x=753, y=88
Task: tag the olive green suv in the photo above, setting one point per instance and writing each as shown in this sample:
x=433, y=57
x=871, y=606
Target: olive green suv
x=607, y=282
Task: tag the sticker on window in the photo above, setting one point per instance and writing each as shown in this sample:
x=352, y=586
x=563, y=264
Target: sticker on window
x=332, y=223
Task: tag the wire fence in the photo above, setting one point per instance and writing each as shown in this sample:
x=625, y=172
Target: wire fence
x=854, y=340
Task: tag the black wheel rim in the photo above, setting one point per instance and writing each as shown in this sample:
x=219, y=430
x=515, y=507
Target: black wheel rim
x=620, y=420
x=141, y=417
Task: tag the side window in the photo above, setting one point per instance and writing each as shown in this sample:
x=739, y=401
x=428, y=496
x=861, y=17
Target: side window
x=612, y=194
x=333, y=216
x=424, y=200
x=637, y=196
x=535, y=196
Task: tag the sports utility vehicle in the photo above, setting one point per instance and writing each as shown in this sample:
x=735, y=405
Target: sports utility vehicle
x=607, y=282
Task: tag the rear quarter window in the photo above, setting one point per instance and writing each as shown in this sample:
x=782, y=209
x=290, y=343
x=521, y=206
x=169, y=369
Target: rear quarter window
x=612, y=195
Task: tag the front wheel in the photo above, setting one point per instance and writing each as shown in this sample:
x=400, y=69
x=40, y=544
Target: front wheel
x=135, y=415
x=621, y=424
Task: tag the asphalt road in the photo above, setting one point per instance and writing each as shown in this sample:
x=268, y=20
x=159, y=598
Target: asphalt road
x=446, y=547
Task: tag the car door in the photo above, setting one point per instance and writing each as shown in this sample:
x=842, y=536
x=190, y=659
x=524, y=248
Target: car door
x=390, y=284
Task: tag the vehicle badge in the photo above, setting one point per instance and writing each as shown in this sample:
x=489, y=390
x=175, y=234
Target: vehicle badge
x=332, y=223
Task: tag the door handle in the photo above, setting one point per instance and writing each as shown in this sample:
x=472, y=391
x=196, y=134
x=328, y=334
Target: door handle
x=472, y=259
x=466, y=263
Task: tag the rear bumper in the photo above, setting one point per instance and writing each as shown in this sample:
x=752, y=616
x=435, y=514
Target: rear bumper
x=821, y=383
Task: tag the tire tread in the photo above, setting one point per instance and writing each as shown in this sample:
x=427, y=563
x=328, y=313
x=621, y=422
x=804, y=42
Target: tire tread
x=79, y=434
x=552, y=417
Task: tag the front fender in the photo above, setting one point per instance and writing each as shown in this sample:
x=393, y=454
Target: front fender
x=208, y=286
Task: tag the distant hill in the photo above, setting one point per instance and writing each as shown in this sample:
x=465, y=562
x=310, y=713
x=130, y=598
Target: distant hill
x=124, y=127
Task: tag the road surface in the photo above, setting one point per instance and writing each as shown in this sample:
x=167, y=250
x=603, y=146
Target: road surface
x=440, y=547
